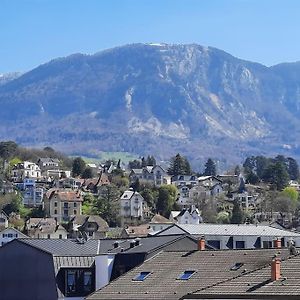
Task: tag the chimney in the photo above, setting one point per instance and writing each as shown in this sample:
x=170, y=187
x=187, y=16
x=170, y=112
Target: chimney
x=277, y=243
x=132, y=244
x=116, y=244
x=201, y=244
x=275, y=269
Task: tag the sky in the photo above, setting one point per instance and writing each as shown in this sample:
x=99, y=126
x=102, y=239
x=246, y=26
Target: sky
x=33, y=32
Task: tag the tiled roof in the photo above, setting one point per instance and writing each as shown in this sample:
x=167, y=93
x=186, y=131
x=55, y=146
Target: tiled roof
x=258, y=282
x=65, y=195
x=234, y=230
x=67, y=247
x=210, y=268
x=160, y=219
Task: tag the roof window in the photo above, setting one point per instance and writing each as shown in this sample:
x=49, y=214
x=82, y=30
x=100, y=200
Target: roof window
x=186, y=275
x=142, y=276
x=236, y=266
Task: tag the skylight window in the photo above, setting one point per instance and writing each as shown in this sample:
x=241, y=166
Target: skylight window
x=236, y=266
x=142, y=276
x=186, y=275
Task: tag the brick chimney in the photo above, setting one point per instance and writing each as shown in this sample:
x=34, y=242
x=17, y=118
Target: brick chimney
x=275, y=269
x=201, y=244
x=277, y=243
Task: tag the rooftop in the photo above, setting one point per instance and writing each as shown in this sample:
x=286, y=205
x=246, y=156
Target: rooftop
x=207, y=268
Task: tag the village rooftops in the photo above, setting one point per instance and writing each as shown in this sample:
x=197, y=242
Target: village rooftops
x=171, y=275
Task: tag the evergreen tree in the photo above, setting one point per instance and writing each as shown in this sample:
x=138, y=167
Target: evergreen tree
x=135, y=164
x=144, y=162
x=151, y=161
x=179, y=165
x=237, y=216
x=164, y=200
x=293, y=168
x=107, y=204
x=277, y=175
x=210, y=168
x=87, y=173
x=78, y=166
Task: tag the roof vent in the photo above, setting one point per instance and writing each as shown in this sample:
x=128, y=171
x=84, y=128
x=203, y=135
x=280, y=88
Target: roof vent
x=132, y=244
x=116, y=244
x=137, y=242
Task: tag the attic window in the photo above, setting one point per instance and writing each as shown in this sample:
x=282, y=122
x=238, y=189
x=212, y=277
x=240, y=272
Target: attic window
x=142, y=276
x=236, y=266
x=186, y=275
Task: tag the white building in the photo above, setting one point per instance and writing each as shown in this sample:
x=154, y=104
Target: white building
x=155, y=175
x=26, y=169
x=183, y=180
x=235, y=236
x=189, y=216
x=3, y=220
x=10, y=234
x=132, y=205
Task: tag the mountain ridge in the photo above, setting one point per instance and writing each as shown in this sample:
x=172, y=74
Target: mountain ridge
x=135, y=97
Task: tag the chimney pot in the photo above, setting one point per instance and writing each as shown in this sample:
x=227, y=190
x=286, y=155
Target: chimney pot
x=277, y=243
x=201, y=244
x=275, y=269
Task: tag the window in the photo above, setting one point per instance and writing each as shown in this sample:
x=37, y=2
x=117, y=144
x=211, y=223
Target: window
x=55, y=211
x=142, y=276
x=236, y=266
x=75, y=204
x=87, y=281
x=75, y=212
x=240, y=245
x=60, y=236
x=78, y=282
x=65, y=205
x=55, y=204
x=186, y=275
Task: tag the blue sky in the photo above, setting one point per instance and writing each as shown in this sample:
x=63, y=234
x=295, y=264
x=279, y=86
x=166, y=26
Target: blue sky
x=35, y=31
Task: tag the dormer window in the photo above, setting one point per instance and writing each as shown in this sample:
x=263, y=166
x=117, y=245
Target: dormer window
x=142, y=276
x=186, y=275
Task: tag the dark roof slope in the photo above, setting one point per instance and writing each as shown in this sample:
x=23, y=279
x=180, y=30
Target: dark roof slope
x=258, y=282
x=210, y=268
x=65, y=247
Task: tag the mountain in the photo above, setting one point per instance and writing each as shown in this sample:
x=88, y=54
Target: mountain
x=6, y=77
x=159, y=99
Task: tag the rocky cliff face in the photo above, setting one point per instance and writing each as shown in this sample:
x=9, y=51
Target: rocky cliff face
x=159, y=99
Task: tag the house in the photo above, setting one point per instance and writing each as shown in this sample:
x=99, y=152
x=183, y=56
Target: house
x=159, y=222
x=211, y=183
x=32, y=195
x=63, y=204
x=44, y=228
x=172, y=275
x=132, y=206
x=26, y=169
x=9, y=234
x=57, y=173
x=71, y=183
x=184, y=199
x=234, y=236
x=189, y=215
x=155, y=175
x=48, y=163
x=277, y=280
x=3, y=220
x=52, y=269
x=93, y=226
x=184, y=180
x=93, y=184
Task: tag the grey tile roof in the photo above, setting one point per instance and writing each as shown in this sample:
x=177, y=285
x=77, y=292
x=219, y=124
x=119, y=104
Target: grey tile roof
x=211, y=267
x=235, y=230
x=258, y=282
x=65, y=247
